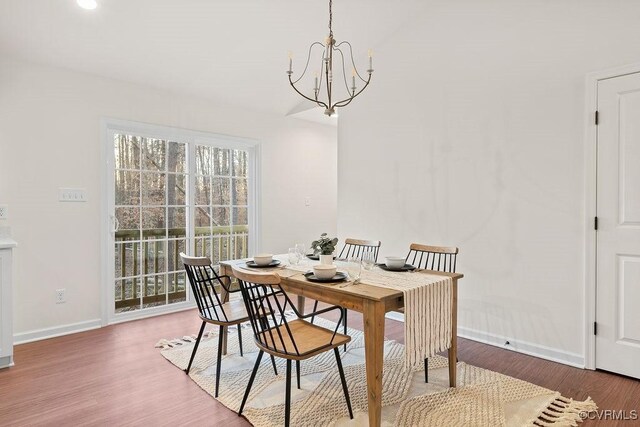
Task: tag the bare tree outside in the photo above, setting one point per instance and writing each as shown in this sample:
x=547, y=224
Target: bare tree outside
x=152, y=201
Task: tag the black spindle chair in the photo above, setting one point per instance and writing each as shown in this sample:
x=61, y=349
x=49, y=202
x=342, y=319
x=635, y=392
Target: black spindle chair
x=212, y=309
x=436, y=258
x=278, y=336
x=355, y=248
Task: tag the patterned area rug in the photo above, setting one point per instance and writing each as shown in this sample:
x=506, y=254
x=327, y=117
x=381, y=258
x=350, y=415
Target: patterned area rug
x=482, y=398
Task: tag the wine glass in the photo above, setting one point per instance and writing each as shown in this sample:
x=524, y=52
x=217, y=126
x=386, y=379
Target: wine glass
x=368, y=260
x=294, y=256
x=354, y=268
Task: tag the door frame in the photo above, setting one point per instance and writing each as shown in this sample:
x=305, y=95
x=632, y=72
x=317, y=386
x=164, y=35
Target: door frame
x=591, y=203
x=107, y=127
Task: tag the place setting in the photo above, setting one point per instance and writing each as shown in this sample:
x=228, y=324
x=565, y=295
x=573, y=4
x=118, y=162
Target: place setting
x=397, y=264
x=263, y=261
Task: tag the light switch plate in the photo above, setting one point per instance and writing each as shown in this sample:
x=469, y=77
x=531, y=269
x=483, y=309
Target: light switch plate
x=72, y=194
x=4, y=212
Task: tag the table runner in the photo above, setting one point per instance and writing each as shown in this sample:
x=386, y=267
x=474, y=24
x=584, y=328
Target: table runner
x=427, y=302
x=427, y=310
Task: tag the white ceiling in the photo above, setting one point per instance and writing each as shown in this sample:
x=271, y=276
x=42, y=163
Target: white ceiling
x=233, y=51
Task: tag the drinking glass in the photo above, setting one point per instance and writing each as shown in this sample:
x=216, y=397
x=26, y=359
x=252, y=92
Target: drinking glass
x=354, y=268
x=302, y=250
x=368, y=260
x=294, y=256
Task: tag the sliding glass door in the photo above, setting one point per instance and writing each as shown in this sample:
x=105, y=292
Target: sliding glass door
x=188, y=193
x=150, y=183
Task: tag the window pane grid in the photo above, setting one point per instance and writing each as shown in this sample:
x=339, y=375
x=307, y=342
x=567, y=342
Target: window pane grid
x=154, y=206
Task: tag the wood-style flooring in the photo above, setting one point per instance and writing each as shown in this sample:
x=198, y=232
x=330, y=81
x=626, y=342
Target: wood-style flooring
x=115, y=377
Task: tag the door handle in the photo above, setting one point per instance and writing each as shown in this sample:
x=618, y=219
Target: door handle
x=115, y=224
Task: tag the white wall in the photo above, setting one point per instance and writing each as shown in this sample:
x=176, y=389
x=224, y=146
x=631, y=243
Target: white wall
x=50, y=138
x=472, y=134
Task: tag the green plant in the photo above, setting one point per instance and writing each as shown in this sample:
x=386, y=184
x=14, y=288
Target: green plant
x=324, y=245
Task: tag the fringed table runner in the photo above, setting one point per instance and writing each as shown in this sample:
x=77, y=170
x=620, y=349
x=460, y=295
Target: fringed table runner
x=427, y=310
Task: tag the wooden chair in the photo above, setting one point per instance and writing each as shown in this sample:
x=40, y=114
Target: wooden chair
x=355, y=248
x=437, y=258
x=278, y=336
x=212, y=309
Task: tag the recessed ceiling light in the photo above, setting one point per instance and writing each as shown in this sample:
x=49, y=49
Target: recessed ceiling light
x=87, y=4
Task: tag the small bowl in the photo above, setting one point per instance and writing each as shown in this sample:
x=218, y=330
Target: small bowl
x=395, y=262
x=324, y=271
x=263, y=259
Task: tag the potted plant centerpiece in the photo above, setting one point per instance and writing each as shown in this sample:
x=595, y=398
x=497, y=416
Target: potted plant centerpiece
x=324, y=247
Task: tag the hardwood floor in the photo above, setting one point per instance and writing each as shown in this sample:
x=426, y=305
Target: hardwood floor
x=114, y=376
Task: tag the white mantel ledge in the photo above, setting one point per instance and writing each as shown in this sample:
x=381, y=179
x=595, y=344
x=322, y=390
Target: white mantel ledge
x=7, y=243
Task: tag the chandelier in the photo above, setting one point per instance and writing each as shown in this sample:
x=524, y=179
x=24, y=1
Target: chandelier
x=325, y=92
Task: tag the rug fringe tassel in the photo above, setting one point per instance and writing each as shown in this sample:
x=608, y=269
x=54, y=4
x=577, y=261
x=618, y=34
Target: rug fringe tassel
x=166, y=344
x=565, y=412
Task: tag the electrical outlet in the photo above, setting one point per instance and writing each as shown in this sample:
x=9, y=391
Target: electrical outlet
x=61, y=297
x=4, y=212
x=307, y=201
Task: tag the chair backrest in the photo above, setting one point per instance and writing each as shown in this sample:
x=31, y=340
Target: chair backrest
x=203, y=279
x=357, y=248
x=266, y=303
x=437, y=258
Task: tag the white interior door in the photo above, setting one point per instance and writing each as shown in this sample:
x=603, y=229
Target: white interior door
x=618, y=236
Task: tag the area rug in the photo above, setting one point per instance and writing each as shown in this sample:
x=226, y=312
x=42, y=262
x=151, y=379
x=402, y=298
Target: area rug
x=482, y=397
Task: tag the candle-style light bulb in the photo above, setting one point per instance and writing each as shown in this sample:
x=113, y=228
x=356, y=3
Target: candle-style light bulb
x=353, y=79
x=290, y=60
x=370, y=60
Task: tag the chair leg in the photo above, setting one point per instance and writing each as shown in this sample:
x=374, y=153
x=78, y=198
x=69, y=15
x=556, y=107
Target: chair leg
x=426, y=369
x=345, y=327
x=287, y=395
x=273, y=362
x=253, y=377
x=219, y=361
x=315, y=308
x=344, y=382
x=195, y=348
x=298, y=372
x=240, y=338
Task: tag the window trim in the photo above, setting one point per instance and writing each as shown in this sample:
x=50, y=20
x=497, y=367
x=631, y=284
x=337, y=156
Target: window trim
x=110, y=126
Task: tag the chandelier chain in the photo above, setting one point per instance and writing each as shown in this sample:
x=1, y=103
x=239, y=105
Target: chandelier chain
x=330, y=18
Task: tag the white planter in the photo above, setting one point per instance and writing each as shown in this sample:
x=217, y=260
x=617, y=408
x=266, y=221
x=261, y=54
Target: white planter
x=326, y=259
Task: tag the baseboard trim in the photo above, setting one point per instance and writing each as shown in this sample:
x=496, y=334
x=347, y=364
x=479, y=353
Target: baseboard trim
x=56, y=331
x=6, y=362
x=531, y=349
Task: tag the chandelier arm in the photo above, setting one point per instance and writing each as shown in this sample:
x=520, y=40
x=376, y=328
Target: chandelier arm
x=308, y=60
x=347, y=101
x=320, y=103
x=351, y=54
x=320, y=73
x=344, y=76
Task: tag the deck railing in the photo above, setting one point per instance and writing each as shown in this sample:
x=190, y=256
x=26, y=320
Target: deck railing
x=155, y=275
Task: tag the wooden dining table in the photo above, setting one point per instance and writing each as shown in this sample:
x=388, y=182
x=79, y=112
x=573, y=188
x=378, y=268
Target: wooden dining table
x=373, y=302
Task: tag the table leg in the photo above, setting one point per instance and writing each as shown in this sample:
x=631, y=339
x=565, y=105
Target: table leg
x=301, y=302
x=453, y=349
x=224, y=297
x=373, y=317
